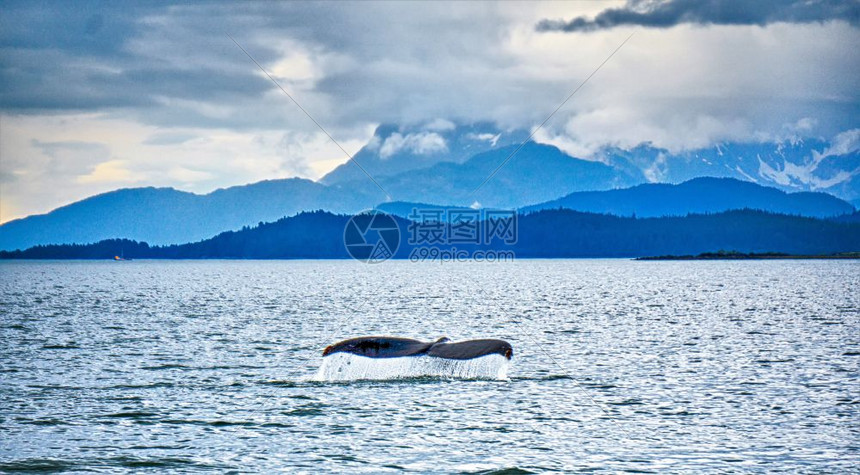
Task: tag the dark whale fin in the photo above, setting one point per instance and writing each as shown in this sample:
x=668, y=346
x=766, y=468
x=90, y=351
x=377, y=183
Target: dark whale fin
x=379, y=347
x=466, y=350
x=393, y=347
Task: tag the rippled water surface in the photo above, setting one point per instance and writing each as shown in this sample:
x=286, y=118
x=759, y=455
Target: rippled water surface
x=619, y=365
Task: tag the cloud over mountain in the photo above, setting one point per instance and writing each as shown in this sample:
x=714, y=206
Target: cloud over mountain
x=162, y=96
x=668, y=13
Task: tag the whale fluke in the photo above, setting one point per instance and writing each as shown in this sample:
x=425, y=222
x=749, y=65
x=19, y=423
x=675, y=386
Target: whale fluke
x=394, y=347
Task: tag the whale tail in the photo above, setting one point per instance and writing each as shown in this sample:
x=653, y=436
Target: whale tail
x=385, y=357
x=394, y=347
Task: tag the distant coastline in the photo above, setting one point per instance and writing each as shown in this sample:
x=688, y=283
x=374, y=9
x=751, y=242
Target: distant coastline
x=542, y=234
x=734, y=255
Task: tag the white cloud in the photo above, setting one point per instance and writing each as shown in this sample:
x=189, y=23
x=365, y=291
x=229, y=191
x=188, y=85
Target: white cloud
x=805, y=124
x=188, y=176
x=374, y=143
x=440, y=125
x=421, y=143
x=584, y=134
x=112, y=171
x=844, y=143
x=487, y=137
x=656, y=171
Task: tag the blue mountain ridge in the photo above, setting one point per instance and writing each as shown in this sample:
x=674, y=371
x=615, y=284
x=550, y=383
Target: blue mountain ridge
x=536, y=173
x=396, y=149
x=447, y=163
x=542, y=234
x=791, y=165
x=699, y=195
x=169, y=216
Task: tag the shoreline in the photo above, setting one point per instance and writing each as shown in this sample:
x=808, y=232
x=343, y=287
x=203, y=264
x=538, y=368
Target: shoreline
x=739, y=256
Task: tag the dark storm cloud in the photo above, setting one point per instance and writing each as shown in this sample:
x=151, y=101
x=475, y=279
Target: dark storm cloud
x=94, y=28
x=85, y=56
x=174, y=65
x=669, y=13
x=355, y=63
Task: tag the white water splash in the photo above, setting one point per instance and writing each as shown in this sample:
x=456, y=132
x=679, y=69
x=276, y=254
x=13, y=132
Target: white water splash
x=349, y=367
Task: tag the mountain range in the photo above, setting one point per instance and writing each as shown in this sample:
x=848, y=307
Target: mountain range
x=791, y=165
x=699, y=195
x=446, y=163
x=167, y=216
x=543, y=234
x=396, y=149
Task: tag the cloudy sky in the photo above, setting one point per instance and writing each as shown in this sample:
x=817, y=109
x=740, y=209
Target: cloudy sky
x=97, y=96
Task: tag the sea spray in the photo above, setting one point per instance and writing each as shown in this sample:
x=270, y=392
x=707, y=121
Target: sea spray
x=349, y=367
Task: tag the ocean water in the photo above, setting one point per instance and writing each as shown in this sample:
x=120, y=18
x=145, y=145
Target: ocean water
x=618, y=366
